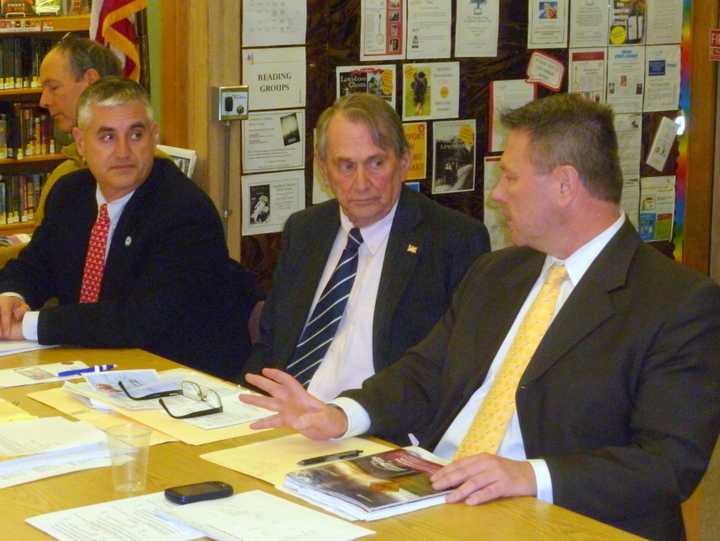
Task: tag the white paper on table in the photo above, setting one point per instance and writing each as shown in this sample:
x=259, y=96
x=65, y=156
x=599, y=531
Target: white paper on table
x=272, y=460
x=234, y=412
x=547, y=24
x=662, y=144
x=506, y=95
x=44, y=465
x=277, y=22
x=11, y=347
x=493, y=217
x=662, y=78
x=589, y=23
x=269, y=199
x=477, y=26
x=664, y=21
x=628, y=128
x=625, y=79
x=46, y=434
x=429, y=23
x=276, y=77
x=104, y=387
x=587, y=72
x=441, y=98
x=273, y=140
x=40, y=373
x=382, y=29
x=258, y=515
x=130, y=519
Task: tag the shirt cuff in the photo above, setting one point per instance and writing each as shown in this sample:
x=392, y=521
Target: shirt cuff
x=30, y=325
x=357, y=418
x=542, y=480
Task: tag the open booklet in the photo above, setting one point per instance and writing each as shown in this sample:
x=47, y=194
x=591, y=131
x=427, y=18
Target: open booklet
x=371, y=487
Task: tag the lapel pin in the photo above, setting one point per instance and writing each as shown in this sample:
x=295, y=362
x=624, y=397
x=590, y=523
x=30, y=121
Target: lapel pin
x=128, y=241
x=412, y=249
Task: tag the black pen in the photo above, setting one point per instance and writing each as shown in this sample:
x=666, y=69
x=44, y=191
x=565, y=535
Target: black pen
x=327, y=458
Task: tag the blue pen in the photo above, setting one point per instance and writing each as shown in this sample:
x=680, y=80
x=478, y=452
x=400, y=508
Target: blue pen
x=96, y=368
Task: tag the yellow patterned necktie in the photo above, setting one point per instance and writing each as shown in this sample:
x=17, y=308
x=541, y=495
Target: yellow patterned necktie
x=490, y=423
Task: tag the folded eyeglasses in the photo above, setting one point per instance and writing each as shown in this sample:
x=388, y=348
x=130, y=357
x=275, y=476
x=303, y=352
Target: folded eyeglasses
x=188, y=389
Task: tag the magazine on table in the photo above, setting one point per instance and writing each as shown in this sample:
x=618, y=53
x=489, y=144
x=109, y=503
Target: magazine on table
x=371, y=487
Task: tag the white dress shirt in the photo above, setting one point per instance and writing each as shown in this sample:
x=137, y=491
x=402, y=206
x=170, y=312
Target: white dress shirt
x=512, y=445
x=349, y=360
x=115, y=210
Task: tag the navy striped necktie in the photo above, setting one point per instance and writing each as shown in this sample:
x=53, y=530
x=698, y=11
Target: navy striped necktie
x=320, y=329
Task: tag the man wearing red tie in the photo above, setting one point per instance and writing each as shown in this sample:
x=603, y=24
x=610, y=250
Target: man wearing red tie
x=131, y=248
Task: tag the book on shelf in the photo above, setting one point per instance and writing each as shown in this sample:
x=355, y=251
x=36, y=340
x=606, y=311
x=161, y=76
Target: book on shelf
x=20, y=59
x=27, y=129
x=371, y=487
x=19, y=197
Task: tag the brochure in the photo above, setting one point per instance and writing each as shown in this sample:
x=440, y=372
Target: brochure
x=371, y=487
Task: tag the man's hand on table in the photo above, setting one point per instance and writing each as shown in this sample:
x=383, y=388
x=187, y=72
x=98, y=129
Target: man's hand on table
x=12, y=310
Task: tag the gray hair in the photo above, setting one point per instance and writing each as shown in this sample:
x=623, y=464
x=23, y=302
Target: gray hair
x=84, y=54
x=568, y=129
x=111, y=92
x=373, y=112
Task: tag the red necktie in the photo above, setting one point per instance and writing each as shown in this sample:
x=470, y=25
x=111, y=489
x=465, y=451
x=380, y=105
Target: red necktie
x=95, y=258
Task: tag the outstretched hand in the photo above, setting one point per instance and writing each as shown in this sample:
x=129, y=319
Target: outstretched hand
x=294, y=406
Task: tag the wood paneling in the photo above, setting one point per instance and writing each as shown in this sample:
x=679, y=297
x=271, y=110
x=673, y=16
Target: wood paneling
x=701, y=139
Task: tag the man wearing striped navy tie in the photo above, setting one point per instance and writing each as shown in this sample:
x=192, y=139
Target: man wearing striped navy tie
x=365, y=276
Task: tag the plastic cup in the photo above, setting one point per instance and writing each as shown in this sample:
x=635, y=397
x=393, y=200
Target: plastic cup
x=129, y=445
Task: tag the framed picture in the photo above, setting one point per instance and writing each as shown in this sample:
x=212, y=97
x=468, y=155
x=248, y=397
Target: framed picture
x=184, y=158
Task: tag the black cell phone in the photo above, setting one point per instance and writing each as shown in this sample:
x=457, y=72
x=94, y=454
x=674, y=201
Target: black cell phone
x=197, y=492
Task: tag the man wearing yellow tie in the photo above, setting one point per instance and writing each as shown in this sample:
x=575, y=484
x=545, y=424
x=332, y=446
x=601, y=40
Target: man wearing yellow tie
x=580, y=366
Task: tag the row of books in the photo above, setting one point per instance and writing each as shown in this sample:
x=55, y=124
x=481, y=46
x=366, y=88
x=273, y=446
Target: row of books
x=41, y=8
x=19, y=197
x=20, y=60
x=25, y=130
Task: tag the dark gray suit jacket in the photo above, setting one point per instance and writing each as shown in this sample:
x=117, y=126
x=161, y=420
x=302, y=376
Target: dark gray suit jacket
x=415, y=288
x=622, y=397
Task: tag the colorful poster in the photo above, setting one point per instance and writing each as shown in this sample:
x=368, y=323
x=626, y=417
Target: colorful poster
x=378, y=80
x=382, y=29
x=454, y=156
x=431, y=90
x=416, y=134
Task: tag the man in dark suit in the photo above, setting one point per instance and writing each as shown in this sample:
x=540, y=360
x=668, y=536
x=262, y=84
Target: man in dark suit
x=615, y=410
x=413, y=254
x=131, y=248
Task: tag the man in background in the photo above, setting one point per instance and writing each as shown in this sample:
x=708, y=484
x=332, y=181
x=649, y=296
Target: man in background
x=365, y=276
x=71, y=66
x=580, y=367
x=132, y=249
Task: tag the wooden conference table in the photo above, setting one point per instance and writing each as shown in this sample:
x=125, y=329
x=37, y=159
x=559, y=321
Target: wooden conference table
x=178, y=463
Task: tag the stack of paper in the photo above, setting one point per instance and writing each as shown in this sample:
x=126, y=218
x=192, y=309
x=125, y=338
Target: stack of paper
x=41, y=373
x=47, y=447
x=249, y=515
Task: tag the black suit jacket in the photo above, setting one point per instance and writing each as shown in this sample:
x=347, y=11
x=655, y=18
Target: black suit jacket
x=415, y=286
x=167, y=280
x=622, y=397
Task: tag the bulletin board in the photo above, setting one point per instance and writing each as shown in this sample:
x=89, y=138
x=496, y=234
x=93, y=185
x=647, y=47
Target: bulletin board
x=333, y=40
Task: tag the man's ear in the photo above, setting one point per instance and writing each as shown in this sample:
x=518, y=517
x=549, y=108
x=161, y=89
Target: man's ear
x=568, y=183
x=78, y=135
x=91, y=76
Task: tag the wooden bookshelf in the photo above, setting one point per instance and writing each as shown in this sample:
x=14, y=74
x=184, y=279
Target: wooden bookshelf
x=11, y=93
x=31, y=164
x=19, y=227
x=22, y=26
